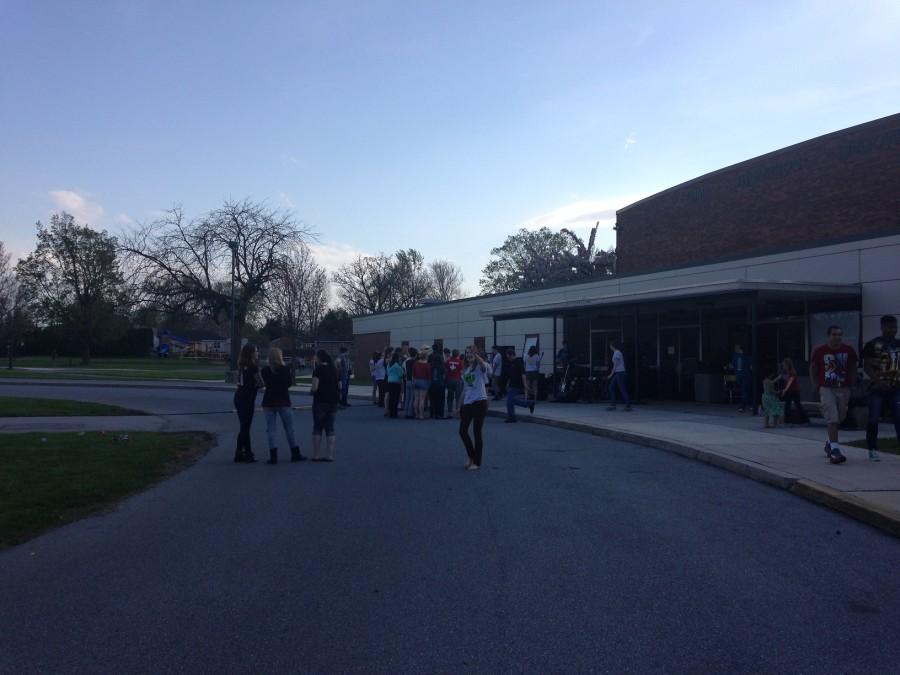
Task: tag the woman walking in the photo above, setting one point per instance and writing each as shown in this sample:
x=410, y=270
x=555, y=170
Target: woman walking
x=436, y=391
x=475, y=405
x=395, y=384
x=326, y=394
x=532, y=372
x=277, y=403
x=422, y=380
x=249, y=381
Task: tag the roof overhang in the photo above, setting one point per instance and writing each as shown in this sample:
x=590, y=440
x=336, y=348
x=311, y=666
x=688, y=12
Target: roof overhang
x=780, y=290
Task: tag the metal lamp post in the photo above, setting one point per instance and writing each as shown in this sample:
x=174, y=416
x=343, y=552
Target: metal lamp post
x=233, y=357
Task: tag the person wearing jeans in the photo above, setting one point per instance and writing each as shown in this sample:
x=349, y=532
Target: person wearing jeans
x=277, y=403
x=617, y=378
x=475, y=406
x=881, y=361
x=791, y=392
x=515, y=386
x=409, y=399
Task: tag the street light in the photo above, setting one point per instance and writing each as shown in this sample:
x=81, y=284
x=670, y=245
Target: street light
x=233, y=357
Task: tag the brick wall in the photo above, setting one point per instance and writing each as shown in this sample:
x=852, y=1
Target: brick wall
x=363, y=346
x=831, y=188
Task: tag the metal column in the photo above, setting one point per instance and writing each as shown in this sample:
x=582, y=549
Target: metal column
x=754, y=363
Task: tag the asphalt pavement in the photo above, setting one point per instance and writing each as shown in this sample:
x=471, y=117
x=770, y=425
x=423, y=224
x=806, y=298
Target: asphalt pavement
x=566, y=553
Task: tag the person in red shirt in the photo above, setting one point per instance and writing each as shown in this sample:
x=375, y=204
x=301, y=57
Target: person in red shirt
x=791, y=392
x=832, y=368
x=454, y=367
x=421, y=382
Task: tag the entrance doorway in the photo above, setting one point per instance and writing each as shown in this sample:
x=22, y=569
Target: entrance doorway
x=679, y=353
x=600, y=354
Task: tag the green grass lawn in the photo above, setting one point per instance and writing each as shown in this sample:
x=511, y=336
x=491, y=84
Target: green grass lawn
x=16, y=406
x=888, y=445
x=147, y=368
x=50, y=479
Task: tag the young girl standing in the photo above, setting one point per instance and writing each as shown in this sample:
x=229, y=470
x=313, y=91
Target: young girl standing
x=773, y=408
x=475, y=406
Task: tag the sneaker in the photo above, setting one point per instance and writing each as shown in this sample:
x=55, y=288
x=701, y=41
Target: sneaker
x=827, y=449
x=610, y=407
x=837, y=457
x=741, y=409
x=874, y=456
x=531, y=407
x=473, y=467
x=627, y=408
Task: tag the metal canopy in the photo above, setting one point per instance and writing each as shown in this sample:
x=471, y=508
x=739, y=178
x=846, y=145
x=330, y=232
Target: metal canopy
x=781, y=290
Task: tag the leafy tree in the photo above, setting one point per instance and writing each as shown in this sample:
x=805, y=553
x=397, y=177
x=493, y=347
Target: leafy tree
x=186, y=265
x=535, y=258
x=13, y=317
x=72, y=277
x=336, y=323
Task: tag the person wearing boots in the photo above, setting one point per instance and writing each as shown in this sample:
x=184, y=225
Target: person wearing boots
x=249, y=381
x=277, y=403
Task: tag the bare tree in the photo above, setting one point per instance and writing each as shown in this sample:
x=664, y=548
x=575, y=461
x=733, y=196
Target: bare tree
x=446, y=280
x=365, y=284
x=298, y=294
x=72, y=277
x=12, y=310
x=187, y=265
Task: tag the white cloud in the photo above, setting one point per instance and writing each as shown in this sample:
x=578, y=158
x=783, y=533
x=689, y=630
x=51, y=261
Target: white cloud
x=332, y=254
x=85, y=211
x=290, y=159
x=124, y=219
x=584, y=213
x=630, y=140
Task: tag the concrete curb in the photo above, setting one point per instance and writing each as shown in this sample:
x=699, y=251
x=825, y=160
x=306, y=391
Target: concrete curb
x=887, y=520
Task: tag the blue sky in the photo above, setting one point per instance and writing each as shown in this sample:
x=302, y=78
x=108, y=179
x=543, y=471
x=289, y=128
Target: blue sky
x=439, y=125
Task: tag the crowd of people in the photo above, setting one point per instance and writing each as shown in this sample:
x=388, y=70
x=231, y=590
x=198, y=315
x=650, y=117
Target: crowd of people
x=833, y=371
x=440, y=383
x=437, y=383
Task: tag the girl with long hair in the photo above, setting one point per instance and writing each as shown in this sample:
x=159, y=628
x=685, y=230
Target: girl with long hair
x=475, y=406
x=248, y=383
x=277, y=403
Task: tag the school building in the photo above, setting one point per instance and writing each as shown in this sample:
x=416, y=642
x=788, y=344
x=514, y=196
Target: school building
x=766, y=253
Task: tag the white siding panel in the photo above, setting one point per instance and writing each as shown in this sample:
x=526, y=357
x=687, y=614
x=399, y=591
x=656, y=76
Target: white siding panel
x=880, y=264
x=881, y=297
x=837, y=268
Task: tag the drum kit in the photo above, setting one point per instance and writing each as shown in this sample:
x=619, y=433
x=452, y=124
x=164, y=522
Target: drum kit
x=576, y=383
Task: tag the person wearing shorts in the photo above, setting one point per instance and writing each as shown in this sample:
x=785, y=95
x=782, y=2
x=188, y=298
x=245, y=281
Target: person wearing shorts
x=326, y=394
x=832, y=369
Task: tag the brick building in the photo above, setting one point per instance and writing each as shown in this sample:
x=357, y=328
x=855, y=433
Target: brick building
x=765, y=253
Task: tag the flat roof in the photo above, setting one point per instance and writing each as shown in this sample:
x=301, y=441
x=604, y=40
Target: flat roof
x=781, y=289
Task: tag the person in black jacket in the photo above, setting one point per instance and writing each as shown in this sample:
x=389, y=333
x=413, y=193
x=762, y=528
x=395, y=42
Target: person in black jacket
x=277, y=403
x=249, y=381
x=326, y=394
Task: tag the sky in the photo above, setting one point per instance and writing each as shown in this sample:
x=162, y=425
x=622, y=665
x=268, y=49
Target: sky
x=443, y=126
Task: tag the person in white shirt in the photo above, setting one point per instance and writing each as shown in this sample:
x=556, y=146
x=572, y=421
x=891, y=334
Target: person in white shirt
x=496, y=369
x=475, y=405
x=616, y=378
x=532, y=372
